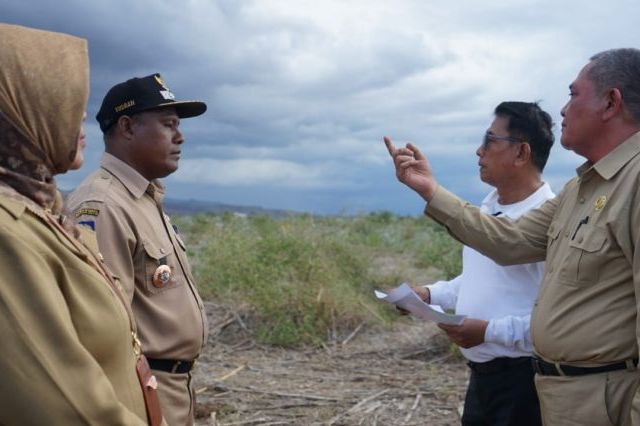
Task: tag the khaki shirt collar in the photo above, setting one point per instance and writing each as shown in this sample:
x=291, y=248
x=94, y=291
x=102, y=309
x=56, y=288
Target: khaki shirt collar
x=614, y=161
x=135, y=183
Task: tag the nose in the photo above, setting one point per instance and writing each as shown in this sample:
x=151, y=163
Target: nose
x=564, y=109
x=480, y=150
x=178, y=138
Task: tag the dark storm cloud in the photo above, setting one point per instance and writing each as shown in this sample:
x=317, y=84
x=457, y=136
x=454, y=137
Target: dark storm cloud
x=300, y=93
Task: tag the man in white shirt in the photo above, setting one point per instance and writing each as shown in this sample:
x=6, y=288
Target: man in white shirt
x=498, y=300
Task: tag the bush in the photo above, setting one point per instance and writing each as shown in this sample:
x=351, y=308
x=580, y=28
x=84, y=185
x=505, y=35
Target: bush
x=306, y=277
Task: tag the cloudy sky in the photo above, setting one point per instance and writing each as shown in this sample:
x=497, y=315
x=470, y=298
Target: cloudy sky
x=301, y=92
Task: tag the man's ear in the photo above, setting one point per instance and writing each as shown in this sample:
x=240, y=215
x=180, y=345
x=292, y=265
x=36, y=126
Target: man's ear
x=614, y=104
x=125, y=126
x=523, y=156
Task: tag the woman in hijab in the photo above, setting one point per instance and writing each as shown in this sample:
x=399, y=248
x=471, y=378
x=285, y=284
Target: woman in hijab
x=68, y=353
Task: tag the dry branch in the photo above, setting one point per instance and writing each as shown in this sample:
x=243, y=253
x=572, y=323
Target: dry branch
x=242, y=324
x=217, y=328
x=372, y=311
x=247, y=422
x=296, y=405
x=439, y=359
x=353, y=334
x=357, y=406
x=231, y=374
x=413, y=354
x=413, y=408
x=284, y=394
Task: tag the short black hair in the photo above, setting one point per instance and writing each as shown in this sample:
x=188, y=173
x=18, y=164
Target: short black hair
x=531, y=123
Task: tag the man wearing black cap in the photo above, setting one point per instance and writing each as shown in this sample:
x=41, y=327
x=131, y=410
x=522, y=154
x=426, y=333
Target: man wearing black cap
x=122, y=202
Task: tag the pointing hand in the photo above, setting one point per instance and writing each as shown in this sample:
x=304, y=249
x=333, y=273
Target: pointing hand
x=412, y=169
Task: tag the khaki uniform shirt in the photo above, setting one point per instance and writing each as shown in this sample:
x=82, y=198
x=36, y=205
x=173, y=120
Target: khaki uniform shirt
x=136, y=237
x=586, y=310
x=67, y=355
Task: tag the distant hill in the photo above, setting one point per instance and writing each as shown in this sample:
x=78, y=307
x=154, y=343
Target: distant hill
x=191, y=206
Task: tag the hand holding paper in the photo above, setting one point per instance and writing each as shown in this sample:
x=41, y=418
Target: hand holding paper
x=404, y=297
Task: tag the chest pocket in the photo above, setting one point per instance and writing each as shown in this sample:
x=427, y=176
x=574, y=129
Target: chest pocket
x=585, y=255
x=160, y=268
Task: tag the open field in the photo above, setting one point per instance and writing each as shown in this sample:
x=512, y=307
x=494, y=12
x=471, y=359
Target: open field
x=405, y=374
x=297, y=337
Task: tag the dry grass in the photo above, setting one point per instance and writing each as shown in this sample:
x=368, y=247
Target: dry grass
x=405, y=374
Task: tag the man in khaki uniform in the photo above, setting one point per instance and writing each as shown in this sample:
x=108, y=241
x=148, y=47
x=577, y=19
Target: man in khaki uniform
x=584, y=321
x=122, y=202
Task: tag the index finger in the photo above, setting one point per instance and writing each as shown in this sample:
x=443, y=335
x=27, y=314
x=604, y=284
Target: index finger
x=390, y=147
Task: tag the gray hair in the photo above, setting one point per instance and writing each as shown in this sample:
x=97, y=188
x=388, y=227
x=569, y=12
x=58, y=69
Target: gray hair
x=620, y=69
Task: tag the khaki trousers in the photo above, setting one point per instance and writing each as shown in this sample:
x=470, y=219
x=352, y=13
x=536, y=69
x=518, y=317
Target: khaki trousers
x=603, y=399
x=176, y=398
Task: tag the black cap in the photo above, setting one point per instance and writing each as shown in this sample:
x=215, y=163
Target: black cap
x=142, y=94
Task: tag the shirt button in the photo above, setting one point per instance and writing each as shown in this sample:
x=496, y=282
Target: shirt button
x=580, y=240
x=566, y=234
x=581, y=200
x=162, y=250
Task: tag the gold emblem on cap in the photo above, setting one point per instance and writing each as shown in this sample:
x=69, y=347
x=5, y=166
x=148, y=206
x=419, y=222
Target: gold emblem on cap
x=161, y=81
x=125, y=105
x=162, y=276
x=600, y=202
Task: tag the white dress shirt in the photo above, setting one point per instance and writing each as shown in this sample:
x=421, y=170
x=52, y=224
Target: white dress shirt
x=502, y=295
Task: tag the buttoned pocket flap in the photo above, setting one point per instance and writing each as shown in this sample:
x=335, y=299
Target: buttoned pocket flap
x=154, y=251
x=589, y=241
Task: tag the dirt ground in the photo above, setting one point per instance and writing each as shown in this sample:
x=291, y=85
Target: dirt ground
x=407, y=375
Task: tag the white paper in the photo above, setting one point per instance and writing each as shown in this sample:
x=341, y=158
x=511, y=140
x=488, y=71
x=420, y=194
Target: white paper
x=404, y=297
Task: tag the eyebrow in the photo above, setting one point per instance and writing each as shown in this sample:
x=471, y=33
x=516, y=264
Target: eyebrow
x=166, y=111
x=169, y=116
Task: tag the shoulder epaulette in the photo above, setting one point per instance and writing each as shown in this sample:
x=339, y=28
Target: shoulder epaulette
x=93, y=189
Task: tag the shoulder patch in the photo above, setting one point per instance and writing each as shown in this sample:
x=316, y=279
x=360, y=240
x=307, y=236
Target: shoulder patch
x=86, y=211
x=88, y=223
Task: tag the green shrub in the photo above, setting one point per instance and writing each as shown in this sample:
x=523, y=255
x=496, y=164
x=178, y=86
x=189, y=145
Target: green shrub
x=305, y=278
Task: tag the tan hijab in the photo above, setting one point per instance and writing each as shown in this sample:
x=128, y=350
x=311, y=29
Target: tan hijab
x=44, y=87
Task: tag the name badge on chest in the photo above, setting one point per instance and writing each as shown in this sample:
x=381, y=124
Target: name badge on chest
x=162, y=274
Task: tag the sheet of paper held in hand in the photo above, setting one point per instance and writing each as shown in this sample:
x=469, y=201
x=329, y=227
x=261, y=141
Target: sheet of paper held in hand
x=407, y=299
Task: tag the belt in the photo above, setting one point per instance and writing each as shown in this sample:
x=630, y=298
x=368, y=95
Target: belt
x=545, y=368
x=171, y=365
x=497, y=365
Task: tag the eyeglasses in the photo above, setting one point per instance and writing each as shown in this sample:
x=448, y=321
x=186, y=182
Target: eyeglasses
x=490, y=137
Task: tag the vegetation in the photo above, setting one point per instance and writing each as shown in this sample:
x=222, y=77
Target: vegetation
x=310, y=279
